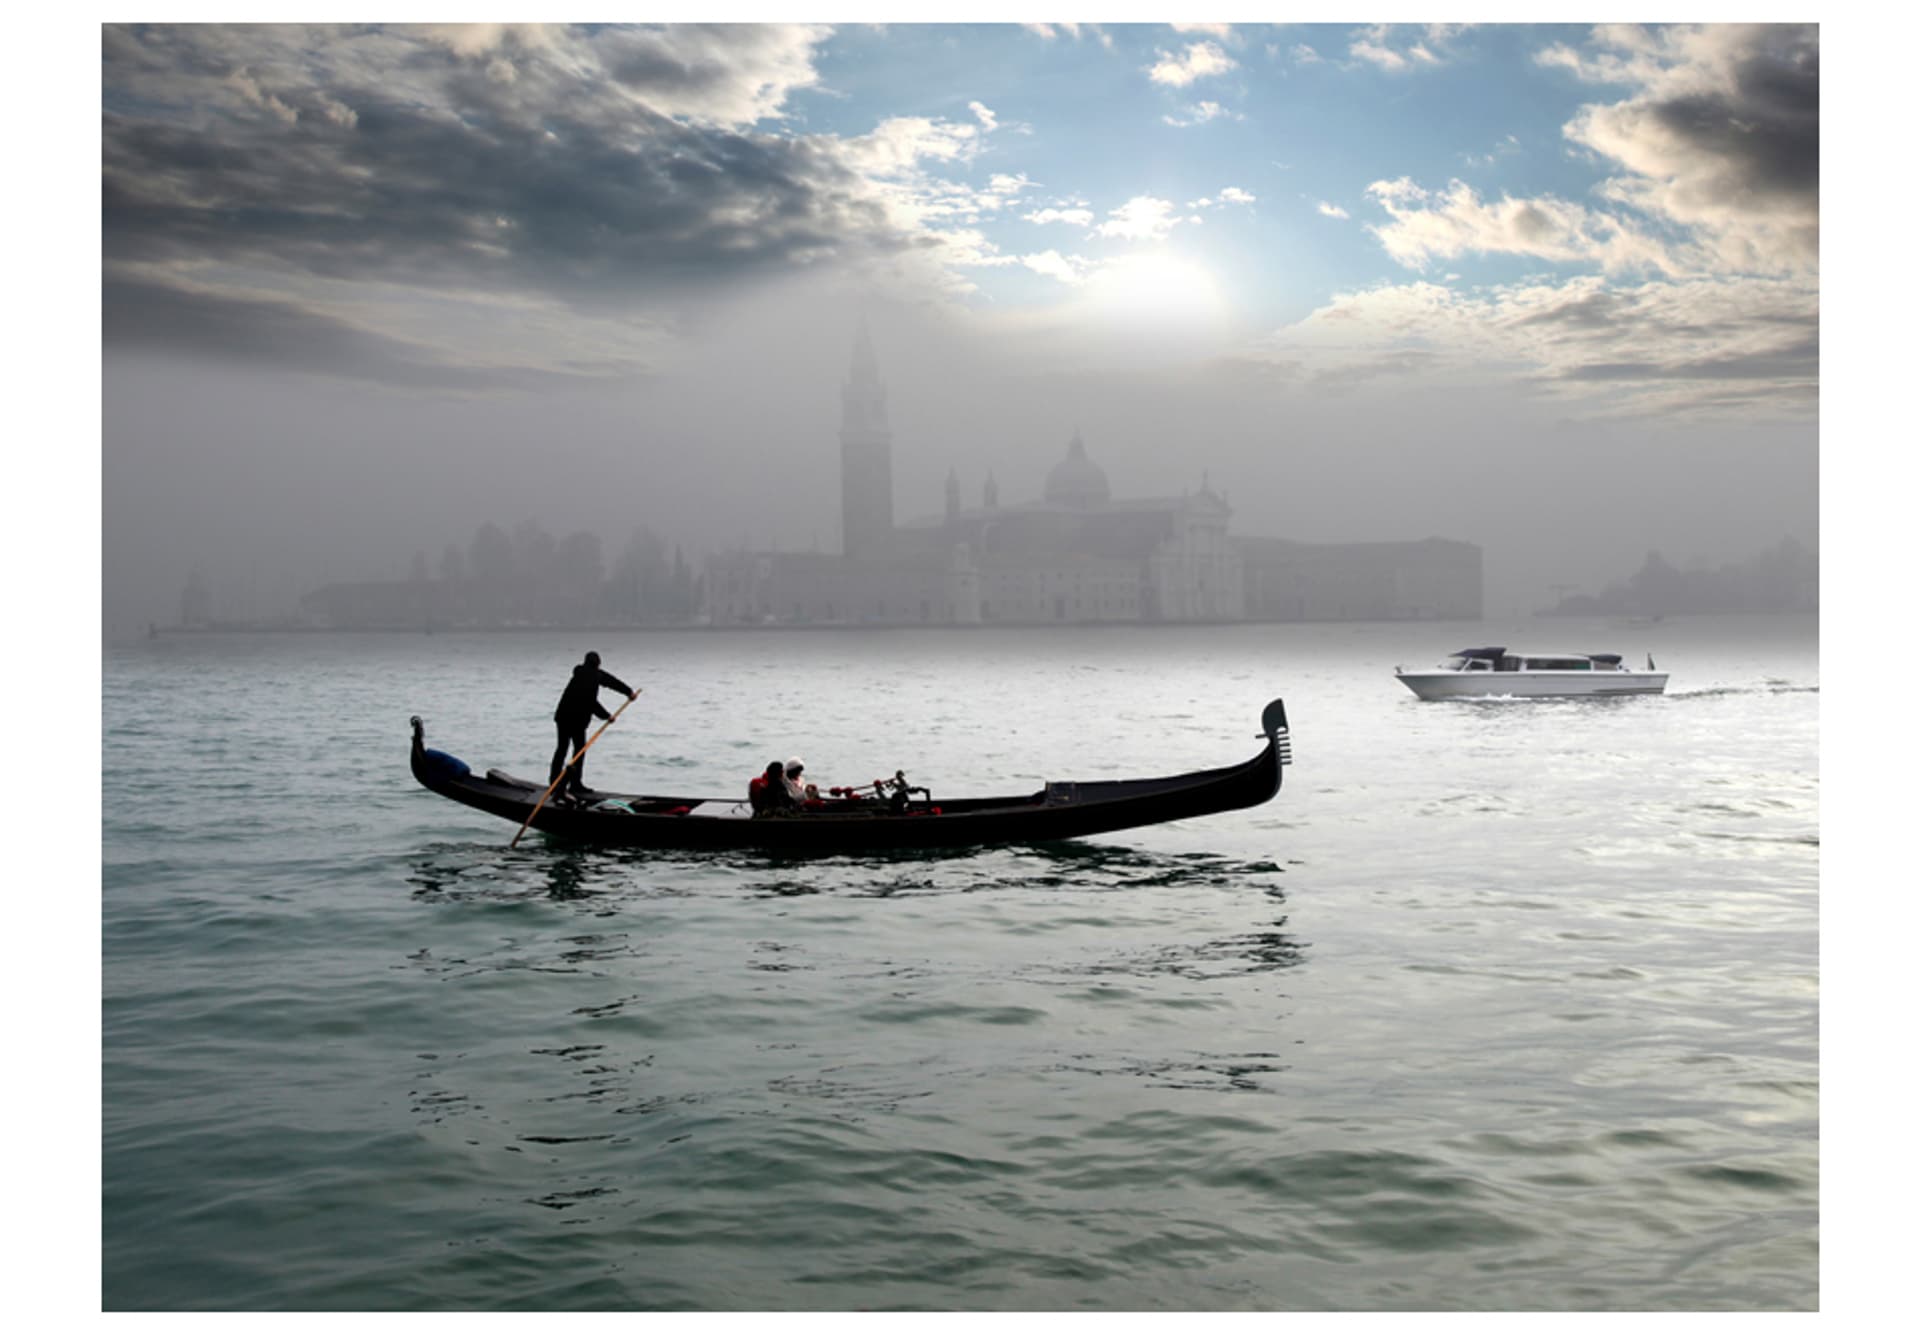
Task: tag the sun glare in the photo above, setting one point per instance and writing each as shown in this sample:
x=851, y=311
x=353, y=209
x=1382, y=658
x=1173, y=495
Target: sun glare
x=1156, y=290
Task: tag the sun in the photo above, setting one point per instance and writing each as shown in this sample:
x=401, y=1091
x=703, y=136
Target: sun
x=1156, y=289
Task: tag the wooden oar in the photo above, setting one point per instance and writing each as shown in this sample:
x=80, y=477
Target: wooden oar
x=568, y=765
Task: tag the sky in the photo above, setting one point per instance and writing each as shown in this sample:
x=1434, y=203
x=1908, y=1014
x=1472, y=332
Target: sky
x=1551, y=289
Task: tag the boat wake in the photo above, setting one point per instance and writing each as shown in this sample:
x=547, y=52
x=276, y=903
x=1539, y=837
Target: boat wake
x=1765, y=688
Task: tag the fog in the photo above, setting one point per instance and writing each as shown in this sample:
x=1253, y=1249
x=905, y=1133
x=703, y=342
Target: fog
x=273, y=483
x=287, y=404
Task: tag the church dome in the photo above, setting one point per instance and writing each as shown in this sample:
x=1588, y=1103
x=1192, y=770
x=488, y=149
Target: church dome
x=1077, y=479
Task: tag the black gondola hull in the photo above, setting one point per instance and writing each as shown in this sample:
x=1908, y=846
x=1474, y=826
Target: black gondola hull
x=1058, y=811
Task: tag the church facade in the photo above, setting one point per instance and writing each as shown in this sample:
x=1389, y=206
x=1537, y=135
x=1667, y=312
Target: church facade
x=1077, y=554
x=1074, y=554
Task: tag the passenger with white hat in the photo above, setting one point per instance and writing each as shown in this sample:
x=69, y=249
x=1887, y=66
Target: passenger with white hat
x=798, y=788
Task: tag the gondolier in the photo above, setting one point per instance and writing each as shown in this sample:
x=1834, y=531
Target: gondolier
x=579, y=706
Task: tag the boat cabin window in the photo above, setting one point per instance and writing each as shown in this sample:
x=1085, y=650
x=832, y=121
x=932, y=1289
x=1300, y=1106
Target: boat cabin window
x=1509, y=663
x=1559, y=665
x=1461, y=663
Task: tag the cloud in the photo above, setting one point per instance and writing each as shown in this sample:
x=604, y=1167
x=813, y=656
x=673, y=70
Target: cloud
x=250, y=91
x=1070, y=269
x=899, y=144
x=1078, y=217
x=595, y=167
x=985, y=114
x=1428, y=225
x=720, y=74
x=1505, y=148
x=1199, y=114
x=1305, y=55
x=1142, y=218
x=1199, y=61
x=1374, y=54
x=574, y=174
x=1333, y=210
x=472, y=41
x=1721, y=134
x=1050, y=31
x=1703, y=298
x=1231, y=194
x=270, y=333
x=1004, y=186
x=1741, y=346
x=1223, y=31
x=1391, y=48
x=1717, y=146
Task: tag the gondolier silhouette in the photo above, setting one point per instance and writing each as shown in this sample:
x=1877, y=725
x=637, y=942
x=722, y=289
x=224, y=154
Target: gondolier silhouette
x=579, y=706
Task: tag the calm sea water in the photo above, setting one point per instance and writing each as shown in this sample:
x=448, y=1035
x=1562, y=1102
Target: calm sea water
x=1496, y=1006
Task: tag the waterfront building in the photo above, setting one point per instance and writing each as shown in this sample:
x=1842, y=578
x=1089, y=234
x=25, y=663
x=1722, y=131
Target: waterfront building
x=1435, y=579
x=1075, y=554
x=814, y=588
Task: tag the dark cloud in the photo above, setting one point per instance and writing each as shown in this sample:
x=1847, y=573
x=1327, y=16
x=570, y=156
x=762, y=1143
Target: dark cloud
x=1588, y=311
x=1765, y=132
x=272, y=334
x=1655, y=340
x=649, y=62
x=1724, y=136
x=1792, y=362
x=410, y=164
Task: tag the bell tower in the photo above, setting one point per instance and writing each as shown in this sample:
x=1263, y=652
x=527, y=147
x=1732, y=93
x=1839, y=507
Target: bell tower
x=866, y=455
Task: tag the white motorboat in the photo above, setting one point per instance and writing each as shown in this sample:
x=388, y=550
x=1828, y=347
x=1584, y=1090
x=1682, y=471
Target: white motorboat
x=1494, y=673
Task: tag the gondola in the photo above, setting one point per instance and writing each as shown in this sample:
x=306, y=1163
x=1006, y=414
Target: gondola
x=895, y=817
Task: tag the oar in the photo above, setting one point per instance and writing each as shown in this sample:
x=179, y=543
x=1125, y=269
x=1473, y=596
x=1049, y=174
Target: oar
x=568, y=765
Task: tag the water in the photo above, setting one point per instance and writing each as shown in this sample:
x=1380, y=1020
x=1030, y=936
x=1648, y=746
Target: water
x=1494, y=1007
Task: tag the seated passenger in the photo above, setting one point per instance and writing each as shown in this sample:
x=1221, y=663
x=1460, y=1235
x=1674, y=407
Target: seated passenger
x=768, y=792
x=798, y=788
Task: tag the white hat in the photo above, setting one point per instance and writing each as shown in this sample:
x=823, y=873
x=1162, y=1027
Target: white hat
x=795, y=765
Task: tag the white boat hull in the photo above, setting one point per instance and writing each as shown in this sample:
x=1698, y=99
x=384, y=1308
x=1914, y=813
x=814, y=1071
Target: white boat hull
x=1532, y=685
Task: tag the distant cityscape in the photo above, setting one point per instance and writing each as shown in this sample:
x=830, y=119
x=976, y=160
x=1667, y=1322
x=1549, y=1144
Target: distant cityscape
x=1784, y=577
x=1073, y=554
